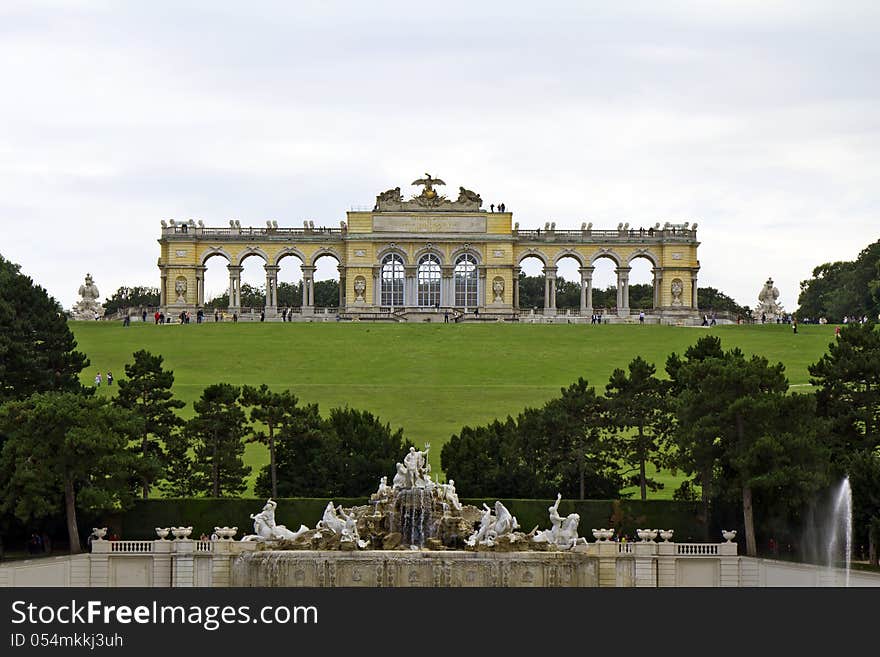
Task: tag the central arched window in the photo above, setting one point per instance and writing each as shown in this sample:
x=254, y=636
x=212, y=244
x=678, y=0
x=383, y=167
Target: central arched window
x=392, y=280
x=429, y=280
x=466, y=281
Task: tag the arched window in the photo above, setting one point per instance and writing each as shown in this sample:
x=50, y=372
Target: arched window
x=466, y=281
x=429, y=280
x=392, y=280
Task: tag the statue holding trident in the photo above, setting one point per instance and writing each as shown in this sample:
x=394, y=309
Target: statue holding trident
x=417, y=467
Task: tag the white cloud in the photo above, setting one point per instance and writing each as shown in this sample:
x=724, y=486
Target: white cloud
x=758, y=121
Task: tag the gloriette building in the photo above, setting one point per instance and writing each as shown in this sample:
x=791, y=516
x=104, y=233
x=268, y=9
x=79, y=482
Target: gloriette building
x=415, y=259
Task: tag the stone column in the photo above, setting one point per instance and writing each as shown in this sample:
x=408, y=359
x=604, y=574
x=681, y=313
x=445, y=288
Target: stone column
x=549, y=290
x=200, y=286
x=100, y=564
x=410, y=289
x=694, y=290
x=342, y=283
x=587, y=290
x=162, y=284
x=271, y=290
x=623, y=291
x=482, y=302
x=234, y=288
x=658, y=285
x=447, y=286
x=516, y=272
x=377, y=286
x=308, y=303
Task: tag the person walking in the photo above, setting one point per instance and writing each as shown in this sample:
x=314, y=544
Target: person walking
x=235, y=318
x=446, y=317
x=98, y=380
x=144, y=316
x=641, y=317
x=109, y=378
x=794, y=325
x=156, y=317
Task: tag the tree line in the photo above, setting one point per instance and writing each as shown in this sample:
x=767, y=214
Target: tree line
x=729, y=423
x=844, y=289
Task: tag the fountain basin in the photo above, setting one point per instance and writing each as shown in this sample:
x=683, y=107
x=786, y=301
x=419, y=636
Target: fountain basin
x=409, y=568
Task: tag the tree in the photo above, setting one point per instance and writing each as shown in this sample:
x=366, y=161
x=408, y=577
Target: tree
x=709, y=298
x=289, y=295
x=848, y=389
x=531, y=291
x=326, y=294
x=840, y=289
x=303, y=457
x=864, y=473
x=365, y=447
x=179, y=476
x=568, y=293
x=559, y=448
x=639, y=401
x=274, y=410
x=694, y=432
x=218, y=430
x=65, y=450
x=37, y=349
x=146, y=391
x=139, y=296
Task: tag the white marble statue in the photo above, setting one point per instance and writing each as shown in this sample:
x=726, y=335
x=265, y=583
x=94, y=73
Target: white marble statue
x=339, y=522
x=493, y=526
x=447, y=494
x=265, y=528
x=563, y=531
x=88, y=307
x=768, y=307
x=384, y=489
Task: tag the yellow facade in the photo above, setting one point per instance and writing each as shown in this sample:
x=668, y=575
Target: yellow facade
x=386, y=257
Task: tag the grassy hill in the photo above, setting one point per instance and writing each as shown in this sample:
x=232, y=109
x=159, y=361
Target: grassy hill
x=430, y=379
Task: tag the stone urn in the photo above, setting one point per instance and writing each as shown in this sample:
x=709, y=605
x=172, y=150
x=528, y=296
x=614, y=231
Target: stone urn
x=162, y=533
x=666, y=534
x=226, y=533
x=99, y=533
x=181, y=532
x=728, y=534
x=603, y=535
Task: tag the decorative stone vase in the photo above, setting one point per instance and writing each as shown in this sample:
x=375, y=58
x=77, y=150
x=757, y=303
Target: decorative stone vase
x=162, y=532
x=226, y=533
x=666, y=534
x=728, y=534
x=99, y=533
x=181, y=532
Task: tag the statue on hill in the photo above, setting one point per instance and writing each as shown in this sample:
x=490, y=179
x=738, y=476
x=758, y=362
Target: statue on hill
x=768, y=309
x=88, y=307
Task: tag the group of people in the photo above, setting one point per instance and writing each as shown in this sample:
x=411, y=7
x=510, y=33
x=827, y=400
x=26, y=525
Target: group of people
x=500, y=207
x=39, y=544
x=99, y=379
x=709, y=321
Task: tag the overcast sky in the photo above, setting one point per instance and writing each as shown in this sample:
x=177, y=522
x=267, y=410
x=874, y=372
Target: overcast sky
x=758, y=120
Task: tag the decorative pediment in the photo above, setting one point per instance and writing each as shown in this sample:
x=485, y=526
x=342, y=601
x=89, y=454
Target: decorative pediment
x=429, y=200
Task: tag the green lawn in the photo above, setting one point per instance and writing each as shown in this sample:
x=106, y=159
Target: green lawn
x=431, y=379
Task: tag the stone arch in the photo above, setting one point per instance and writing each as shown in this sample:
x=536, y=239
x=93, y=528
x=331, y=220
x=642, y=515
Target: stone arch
x=388, y=250
x=466, y=250
x=428, y=250
x=644, y=253
x=216, y=251
x=326, y=251
x=289, y=251
x=569, y=253
x=253, y=251
x=533, y=253
x=611, y=254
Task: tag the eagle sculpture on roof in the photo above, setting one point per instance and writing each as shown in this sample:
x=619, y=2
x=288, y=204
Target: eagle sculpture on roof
x=429, y=183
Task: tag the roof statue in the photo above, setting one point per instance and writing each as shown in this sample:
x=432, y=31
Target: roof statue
x=430, y=200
